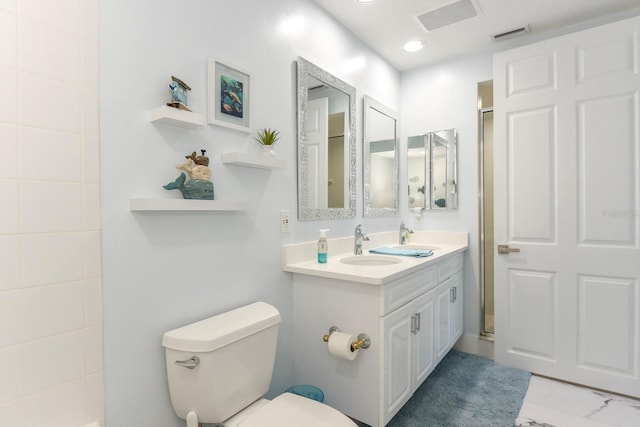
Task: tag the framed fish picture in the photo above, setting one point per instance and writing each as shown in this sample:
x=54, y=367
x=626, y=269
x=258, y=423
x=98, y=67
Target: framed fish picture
x=228, y=96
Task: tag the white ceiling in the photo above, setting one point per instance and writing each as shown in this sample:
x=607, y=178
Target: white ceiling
x=386, y=25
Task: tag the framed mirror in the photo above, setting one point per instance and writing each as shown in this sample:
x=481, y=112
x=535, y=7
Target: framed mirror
x=326, y=145
x=380, y=160
x=432, y=170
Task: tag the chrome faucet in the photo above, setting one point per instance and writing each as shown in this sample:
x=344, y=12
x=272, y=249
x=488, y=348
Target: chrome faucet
x=404, y=230
x=358, y=239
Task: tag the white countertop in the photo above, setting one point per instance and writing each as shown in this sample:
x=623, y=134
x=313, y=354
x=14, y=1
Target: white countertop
x=301, y=258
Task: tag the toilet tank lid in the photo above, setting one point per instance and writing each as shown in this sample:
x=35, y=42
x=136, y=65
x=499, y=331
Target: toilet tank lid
x=223, y=329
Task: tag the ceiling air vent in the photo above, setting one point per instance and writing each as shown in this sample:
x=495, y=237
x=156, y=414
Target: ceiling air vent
x=450, y=14
x=510, y=33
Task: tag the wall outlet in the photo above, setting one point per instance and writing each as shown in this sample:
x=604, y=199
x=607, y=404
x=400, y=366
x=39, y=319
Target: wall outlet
x=284, y=221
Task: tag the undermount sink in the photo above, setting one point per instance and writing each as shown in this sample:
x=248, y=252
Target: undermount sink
x=369, y=260
x=418, y=247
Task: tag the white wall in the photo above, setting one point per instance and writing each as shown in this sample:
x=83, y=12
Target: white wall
x=50, y=308
x=163, y=270
x=439, y=97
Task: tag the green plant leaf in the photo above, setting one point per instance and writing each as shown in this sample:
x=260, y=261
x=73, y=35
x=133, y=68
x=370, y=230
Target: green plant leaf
x=267, y=136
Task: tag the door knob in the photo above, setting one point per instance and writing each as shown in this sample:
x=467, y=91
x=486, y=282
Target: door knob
x=505, y=249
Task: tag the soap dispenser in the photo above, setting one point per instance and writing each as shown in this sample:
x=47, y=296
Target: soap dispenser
x=323, y=246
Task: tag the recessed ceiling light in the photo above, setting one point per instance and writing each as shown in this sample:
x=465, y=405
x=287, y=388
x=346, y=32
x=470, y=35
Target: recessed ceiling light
x=365, y=1
x=413, y=46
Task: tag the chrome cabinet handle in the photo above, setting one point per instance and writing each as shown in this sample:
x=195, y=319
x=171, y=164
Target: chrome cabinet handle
x=419, y=323
x=190, y=363
x=413, y=324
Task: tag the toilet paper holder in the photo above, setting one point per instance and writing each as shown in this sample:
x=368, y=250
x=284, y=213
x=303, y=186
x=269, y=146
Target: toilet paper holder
x=363, y=339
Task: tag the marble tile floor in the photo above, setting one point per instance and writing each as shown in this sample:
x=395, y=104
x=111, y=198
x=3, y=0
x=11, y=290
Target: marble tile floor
x=551, y=403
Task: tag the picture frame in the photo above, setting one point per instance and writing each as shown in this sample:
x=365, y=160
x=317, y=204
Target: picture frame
x=228, y=96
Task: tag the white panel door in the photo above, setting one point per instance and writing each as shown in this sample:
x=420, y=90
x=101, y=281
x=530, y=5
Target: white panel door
x=567, y=181
x=318, y=154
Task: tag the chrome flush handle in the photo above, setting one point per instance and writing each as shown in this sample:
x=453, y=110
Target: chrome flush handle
x=190, y=363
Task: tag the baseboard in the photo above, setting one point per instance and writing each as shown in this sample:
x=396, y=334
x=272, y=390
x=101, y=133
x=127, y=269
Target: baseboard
x=467, y=343
x=486, y=347
x=475, y=344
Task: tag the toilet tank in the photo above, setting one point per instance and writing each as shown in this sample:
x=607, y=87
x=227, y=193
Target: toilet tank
x=235, y=351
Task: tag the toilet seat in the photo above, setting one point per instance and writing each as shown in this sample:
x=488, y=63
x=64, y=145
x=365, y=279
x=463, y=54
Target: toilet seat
x=291, y=410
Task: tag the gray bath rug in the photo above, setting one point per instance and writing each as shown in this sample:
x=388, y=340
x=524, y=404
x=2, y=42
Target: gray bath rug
x=466, y=391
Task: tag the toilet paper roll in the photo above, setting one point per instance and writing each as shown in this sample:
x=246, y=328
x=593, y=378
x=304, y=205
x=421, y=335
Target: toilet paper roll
x=340, y=345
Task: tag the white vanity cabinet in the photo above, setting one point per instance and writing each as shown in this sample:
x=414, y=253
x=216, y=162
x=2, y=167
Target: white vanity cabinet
x=413, y=321
x=448, y=306
x=408, y=355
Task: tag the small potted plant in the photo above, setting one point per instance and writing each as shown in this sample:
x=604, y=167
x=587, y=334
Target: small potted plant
x=267, y=138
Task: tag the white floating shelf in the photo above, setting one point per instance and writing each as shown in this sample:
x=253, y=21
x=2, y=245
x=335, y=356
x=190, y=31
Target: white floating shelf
x=252, y=161
x=186, y=205
x=175, y=117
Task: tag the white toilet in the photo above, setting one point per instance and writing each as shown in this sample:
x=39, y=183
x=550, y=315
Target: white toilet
x=219, y=369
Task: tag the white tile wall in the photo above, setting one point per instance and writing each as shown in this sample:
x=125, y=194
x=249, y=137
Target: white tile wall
x=92, y=302
x=10, y=303
x=53, y=360
x=8, y=34
x=49, y=103
x=8, y=151
x=64, y=206
x=9, y=203
x=40, y=48
x=51, y=363
x=9, y=106
x=52, y=309
x=51, y=258
x=39, y=146
x=61, y=406
x=90, y=64
x=95, y=396
x=11, y=363
x=90, y=21
x=8, y=5
x=9, y=262
x=91, y=207
x=91, y=159
x=90, y=112
x=12, y=413
x=93, y=339
x=62, y=14
x=91, y=254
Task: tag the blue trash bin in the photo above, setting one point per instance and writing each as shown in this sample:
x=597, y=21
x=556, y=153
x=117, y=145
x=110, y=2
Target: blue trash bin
x=310, y=391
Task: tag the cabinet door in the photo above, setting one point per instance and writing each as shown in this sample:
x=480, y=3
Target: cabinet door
x=443, y=318
x=397, y=372
x=457, y=309
x=424, y=339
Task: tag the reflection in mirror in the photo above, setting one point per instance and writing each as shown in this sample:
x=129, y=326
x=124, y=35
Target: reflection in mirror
x=444, y=169
x=380, y=161
x=326, y=145
x=439, y=172
x=437, y=152
x=417, y=155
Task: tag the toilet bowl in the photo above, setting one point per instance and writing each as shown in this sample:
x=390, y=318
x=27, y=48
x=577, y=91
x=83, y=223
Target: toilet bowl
x=220, y=368
x=289, y=410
